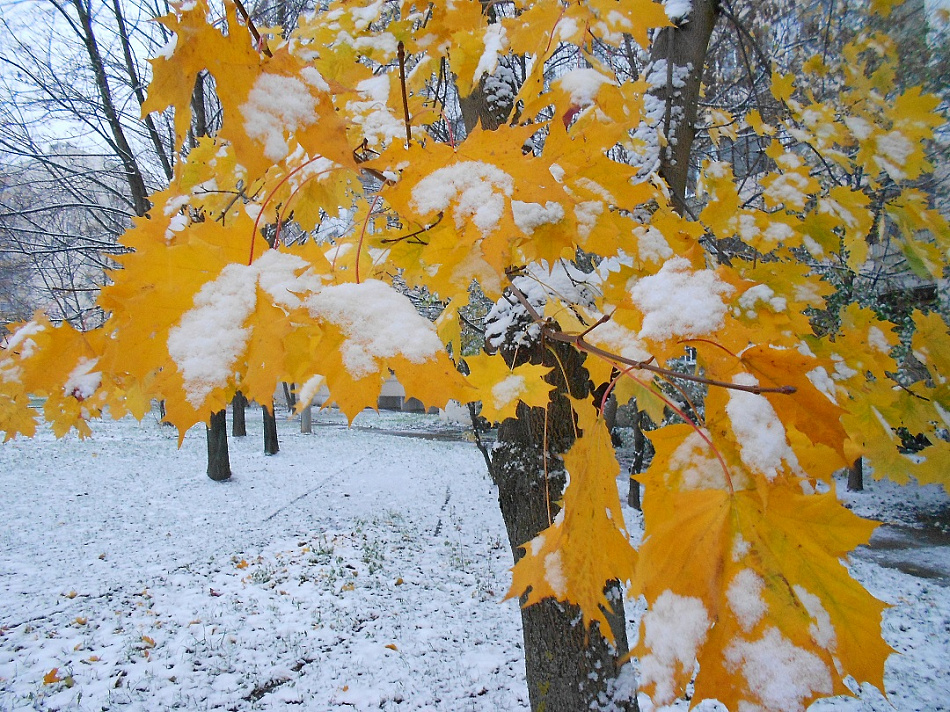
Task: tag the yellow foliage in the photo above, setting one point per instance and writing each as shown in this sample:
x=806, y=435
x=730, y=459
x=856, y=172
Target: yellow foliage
x=502, y=388
x=743, y=539
x=562, y=565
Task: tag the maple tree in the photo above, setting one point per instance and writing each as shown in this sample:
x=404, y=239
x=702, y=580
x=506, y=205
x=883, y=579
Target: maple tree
x=740, y=564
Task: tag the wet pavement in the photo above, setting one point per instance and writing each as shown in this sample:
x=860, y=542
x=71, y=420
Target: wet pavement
x=922, y=551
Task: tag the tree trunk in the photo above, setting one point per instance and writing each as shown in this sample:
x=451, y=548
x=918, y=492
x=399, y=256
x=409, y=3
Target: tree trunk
x=270, y=431
x=289, y=395
x=681, y=46
x=569, y=667
x=306, y=419
x=639, y=454
x=856, y=476
x=119, y=143
x=219, y=464
x=238, y=421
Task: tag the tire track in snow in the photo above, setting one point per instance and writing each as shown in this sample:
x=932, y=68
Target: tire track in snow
x=313, y=489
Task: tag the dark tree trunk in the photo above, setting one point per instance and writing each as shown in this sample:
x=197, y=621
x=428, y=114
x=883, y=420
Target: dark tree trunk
x=679, y=46
x=289, y=397
x=118, y=141
x=856, y=476
x=270, y=431
x=219, y=464
x=238, y=421
x=569, y=667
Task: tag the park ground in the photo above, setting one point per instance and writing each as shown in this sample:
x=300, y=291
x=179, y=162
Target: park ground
x=360, y=568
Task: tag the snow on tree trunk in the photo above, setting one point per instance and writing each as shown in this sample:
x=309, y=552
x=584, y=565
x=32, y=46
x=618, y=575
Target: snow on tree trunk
x=675, y=71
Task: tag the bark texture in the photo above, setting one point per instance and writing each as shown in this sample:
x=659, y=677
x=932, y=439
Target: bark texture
x=306, y=420
x=569, y=666
x=271, y=446
x=683, y=45
x=219, y=463
x=856, y=476
x=238, y=421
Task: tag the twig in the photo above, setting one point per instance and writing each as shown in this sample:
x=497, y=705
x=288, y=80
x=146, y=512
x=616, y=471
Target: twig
x=401, y=54
x=259, y=44
x=577, y=340
x=391, y=240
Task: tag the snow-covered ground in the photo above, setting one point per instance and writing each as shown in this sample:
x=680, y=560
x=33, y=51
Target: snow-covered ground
x=357, y=569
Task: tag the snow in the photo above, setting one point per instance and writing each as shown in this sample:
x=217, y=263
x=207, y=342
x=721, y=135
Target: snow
x=507, y=390
x=678, y=301
x=583, y=85
x=495, y=41
x=677, y=10
x=540, y=283
x=822, y=631
x=822, y=381
x=790, y=189
x=651, y=244
x=779, y=673
x=618, y=339
x=280, y=587
x=275, y=106
x=168, y=49
x=478, y=190
x=530, y=216
x=878, y=340
x=377, y=322
x=554, y=573
x=372, y=113
x=364, y=16
x=351, y=540
x=893, y=151
x=699, y=467
x=207, y=341
x=674, y=628
x=20, y=342
x=745, y=598
x=761, y=293
x=763, y=446
x=586, y=214
x=82, y=381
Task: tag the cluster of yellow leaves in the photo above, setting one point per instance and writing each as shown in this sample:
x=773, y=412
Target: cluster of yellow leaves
x=742, y=537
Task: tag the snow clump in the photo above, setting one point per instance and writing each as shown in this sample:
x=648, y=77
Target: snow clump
x=762, y=443
x=278, y=105
x=678, y=301
x=674, y=628
x=780, y=674
x=477, y=189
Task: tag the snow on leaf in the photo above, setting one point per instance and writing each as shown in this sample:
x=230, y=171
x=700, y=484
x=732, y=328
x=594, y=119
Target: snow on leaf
x=502, y=388
x=774, y=585
x=680, y=301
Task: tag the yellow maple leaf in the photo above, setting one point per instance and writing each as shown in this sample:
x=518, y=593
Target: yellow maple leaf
x=588, y=545
x=782, y=86
x=742, y=572
x=501, y=388
x=197, y=45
